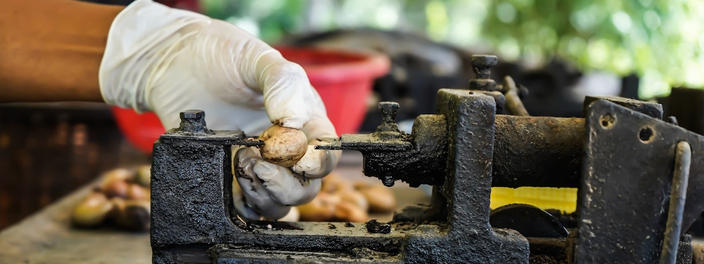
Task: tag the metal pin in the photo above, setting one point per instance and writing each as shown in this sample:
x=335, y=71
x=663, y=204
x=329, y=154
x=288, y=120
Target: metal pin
x=680, y=180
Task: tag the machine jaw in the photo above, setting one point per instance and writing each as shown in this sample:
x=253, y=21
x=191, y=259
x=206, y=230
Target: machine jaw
x=390, y=154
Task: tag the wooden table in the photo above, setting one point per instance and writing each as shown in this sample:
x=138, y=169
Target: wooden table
x=47, y=237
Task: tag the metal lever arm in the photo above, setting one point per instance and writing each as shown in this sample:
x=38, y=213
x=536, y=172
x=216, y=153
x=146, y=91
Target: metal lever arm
x=391, y=155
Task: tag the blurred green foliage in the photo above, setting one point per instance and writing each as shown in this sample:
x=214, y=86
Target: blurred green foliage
x=269, y=19
x=660, y=40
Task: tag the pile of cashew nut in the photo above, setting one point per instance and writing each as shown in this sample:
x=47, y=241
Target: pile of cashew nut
x=121, y=199
x=341, y=200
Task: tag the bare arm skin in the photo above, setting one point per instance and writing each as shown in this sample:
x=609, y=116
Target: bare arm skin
x=50, y=50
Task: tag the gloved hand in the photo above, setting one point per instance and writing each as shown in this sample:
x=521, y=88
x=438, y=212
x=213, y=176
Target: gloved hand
x=167, y=60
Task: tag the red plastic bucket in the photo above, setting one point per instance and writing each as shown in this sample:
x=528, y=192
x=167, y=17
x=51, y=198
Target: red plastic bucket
x=343, y=80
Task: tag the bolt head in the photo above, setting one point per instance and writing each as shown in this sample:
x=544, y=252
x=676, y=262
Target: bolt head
x=388, y=107
x=484, y=61
x=193, y=121
x=192, y=115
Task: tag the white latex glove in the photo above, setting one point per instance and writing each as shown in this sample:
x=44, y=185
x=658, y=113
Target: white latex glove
x=268, y=190
x=167, y=60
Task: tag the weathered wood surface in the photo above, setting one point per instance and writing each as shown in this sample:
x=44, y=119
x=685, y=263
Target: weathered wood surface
x=47, y=237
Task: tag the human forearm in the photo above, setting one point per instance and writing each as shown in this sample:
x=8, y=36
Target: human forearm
x=50, y=50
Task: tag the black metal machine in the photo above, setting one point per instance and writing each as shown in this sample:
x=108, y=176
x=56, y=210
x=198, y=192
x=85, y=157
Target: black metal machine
x=640, y=182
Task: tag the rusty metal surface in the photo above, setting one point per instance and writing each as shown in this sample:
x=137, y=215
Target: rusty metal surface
x=538, y=151
x=529, y=151
x=627, y=179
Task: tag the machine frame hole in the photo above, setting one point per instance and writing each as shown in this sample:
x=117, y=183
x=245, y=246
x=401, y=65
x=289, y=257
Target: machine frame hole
x=646, y=134
x=607, y=120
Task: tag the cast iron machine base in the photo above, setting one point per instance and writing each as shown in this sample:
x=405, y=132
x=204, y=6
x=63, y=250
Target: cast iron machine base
x=633, y=172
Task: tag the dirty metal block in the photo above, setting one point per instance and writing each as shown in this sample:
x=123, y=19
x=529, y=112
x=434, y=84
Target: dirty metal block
x=194, y=221
x=466, y=188
x=625, y=191
x=499, y=100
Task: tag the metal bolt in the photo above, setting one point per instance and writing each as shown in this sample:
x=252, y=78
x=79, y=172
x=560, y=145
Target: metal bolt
x=389, y=110
x=388, y=117
x=481, y=65
x=388, y=181
x=194, y=115
x=193, y=121
x=672, y=120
